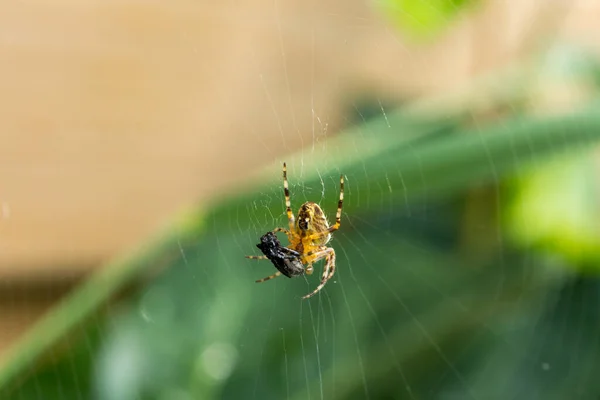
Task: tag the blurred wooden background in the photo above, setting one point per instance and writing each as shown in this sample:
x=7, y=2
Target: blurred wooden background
x=114, y=115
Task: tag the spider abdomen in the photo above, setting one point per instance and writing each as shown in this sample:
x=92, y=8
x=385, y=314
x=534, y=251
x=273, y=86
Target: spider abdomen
x=312, y=219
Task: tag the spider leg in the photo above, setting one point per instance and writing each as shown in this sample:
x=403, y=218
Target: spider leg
x=257, y=257
x=275, y=275
x=327, y=273
x=290, y=234
x=281, y=230
x=338, y=216
x=332, y=270
x=329, y=255
x=314, y=256
x=288, y=203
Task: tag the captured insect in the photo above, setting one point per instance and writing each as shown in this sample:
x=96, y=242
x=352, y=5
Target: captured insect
x=287, y=261
x=308, y=237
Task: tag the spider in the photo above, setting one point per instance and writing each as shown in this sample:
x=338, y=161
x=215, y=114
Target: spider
x=308, y=236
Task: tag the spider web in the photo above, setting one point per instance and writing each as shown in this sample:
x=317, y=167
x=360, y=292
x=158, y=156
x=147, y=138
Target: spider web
x=408, y=314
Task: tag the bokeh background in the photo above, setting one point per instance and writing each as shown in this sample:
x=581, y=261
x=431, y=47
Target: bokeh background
x=140, y=158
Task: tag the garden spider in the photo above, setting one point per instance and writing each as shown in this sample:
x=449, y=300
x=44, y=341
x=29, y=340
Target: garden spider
x=309, y=235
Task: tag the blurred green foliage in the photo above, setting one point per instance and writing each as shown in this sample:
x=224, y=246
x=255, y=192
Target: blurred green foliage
x=423, y=18
x=430, y=301
x=565, y=221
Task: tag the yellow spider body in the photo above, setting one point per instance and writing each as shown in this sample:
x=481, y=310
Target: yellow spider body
x=309, y=235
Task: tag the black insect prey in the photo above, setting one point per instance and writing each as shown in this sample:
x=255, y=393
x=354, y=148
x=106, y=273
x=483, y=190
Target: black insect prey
x=287, y=261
